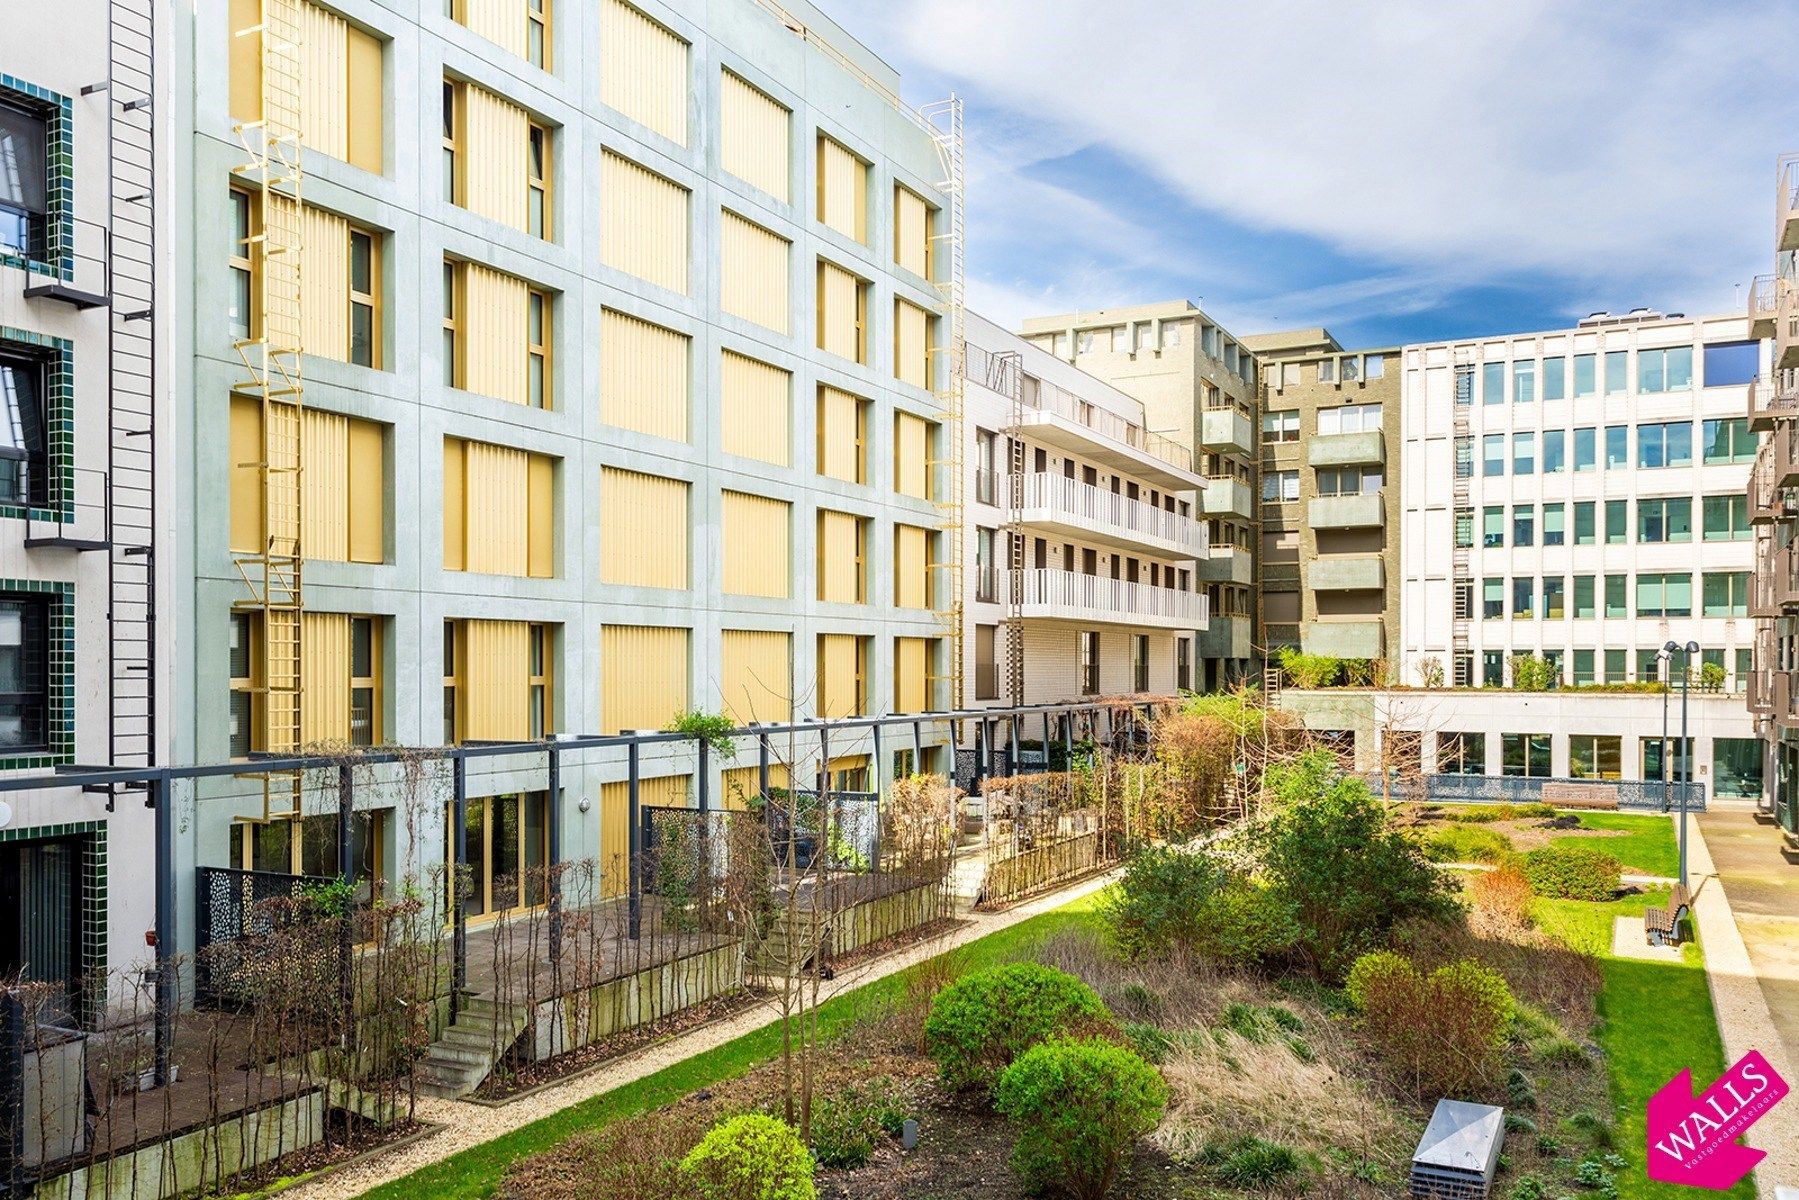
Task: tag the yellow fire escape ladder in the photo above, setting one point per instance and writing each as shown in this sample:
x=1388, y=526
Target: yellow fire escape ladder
x=271, y=355
x=947, y=361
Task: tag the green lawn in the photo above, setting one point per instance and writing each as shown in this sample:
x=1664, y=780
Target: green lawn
x=1655, y=1018
x=476, y=1172
x=1644, y=844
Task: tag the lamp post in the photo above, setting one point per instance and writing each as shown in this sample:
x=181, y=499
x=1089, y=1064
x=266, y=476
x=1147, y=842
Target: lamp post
x=1666, y=655
x=1671, y=649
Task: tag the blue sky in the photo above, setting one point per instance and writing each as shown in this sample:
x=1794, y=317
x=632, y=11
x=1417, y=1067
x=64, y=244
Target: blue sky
x=1401, y=171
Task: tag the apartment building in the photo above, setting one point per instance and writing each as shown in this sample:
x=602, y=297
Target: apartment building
x=1329, y=493
x=80, y=674
x=1579, y=494
x=1197, y=385
x=1084, y=532
x=620, y=341
x=1773, y=409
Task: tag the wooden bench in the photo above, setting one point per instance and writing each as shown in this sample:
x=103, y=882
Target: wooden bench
x=1661, y=924
x=1580, y=795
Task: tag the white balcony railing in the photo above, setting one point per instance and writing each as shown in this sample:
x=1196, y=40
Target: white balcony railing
x=1096, y=508
x=1110, y=599
x=1003, y=375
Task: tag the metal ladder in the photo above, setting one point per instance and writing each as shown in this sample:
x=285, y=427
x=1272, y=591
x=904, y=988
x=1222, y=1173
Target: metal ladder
x=1462, y=481
x=943, y=120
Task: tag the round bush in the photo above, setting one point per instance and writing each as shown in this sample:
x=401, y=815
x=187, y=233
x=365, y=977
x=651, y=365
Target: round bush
x=1080, y=1106
x=751, y=1157
x=982, y=1022
x=1573, y=872
x=1377, y=973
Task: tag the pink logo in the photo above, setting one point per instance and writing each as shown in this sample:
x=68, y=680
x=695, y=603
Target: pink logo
x=1692, y=1141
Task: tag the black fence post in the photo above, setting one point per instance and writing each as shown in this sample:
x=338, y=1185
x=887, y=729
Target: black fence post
x=634, y=837
x=346, y=874
x=167, y=982
x=554, y=834
x=459, y=883
x=762, y=765
x=12, y=1092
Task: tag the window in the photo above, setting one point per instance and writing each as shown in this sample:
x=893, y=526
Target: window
x=1524, y=598
x=1462, y=753
x=1680, y=759
x=1327, y=370
x=1668, y=444
x=1280, y=427
x=537, y=33
x=537, y=182
x=1664, y=594
x=1595, y=756
x=913, y=330
x=242, y=268
x=1492, y=668
x=1525, y=755
x=499, y=511
x=452, y=142
x=1555, y=451
x=1665, y=370
x=644, y=223
x=842, y=435
x=1089, y=662
x=363, y=274
x=985, y=572
x=1280, y=487
x=1351, y=418
x=1555, y=378
x=1583, y=376
x=1617, y=446
x=1492, y=526
x=449, y=683
x=842, y=558
x=1725, y=593
x=1553, y=592
x=1183, y=664
x=1665, y=519
x=1524, y=525
x=1583, y=668
x=1349, y=481
x=986, y=668
x=1524, y=454
x=1732, y=364
x=1350, y=368
x=1586, y=531
x=1492, y=599
x=1616, y=669
x=1140, y=662
x=1492, y=452
x=1728, y=440
x=644, y=70
x=1649, y=666
x=842, y=313
x=1727, y=518
x=537, y=349
x=24, y=672
x=1617, y=592
x=1555, y=530
x=1121, y=339
x=1584, y=598
x=1492, y=383
x=452, y=323
x=1584, y=448
x=1737, y=766
x=1617, y=522
x=1617, y=372
x=1524, y=381
x=25, y=183
x=24, y=443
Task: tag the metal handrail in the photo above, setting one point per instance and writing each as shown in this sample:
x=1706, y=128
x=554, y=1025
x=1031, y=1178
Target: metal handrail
x=1000, y=373
x=1092, y=504
x=1051, y=586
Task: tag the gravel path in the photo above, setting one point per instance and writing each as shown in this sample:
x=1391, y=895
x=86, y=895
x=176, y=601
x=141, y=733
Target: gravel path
x=465, y=1124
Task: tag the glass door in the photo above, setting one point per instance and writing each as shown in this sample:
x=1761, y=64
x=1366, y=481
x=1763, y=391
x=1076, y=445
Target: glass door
x=40, y=918
x=507, y=844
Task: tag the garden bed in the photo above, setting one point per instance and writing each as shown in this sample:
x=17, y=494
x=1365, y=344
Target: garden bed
x=1642, y=844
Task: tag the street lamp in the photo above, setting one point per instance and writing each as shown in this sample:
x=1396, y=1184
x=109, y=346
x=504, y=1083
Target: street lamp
x=1686, y=766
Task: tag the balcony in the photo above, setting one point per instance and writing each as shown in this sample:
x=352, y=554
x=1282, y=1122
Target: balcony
x=1773, y=398
x=1226, y=429
x=1346, y=449
x=1775, y=584
x=1072, y=509
x=1226, y=494
x=1344, y=639
x=1786, y=203
x=1363, y=511
x=1056, y=595
x=1766, y=503
x=1764, y=303
x=1347, y=573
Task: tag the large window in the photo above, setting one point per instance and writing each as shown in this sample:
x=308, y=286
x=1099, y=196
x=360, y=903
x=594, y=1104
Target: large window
x=1665, y=370
x=1665, y=519
x=24, y=183
x=1728, y=440
x=1492, y=526
x=1140, y=662
x=1586, y=523
x=1595, y=756
x=1555, y=378
x=1617, y=522
x=1524, y=525
x=1089, y=662
x=1727, y=518
x=1664, y=595
x=1524, y=454
x=1668, y=444
x=1617, y=372
x=1583, y=375
x=1349, y=481
x=1732, y=363
x=1555, y=451
x=1351, y=418
x=1525, y=755
x=1462, y=753
x=1524, y=597
x=1524, y=381
x=24, y=672
x=1280, y=487
x=1725, y=593
x=1585, y=605
x=1282, y=426
x=1617, y=446
x=1737, y=765
x=24, y=455
x=1492, y=454
x=1555, y=524
x=1492, y=383
x=1492, y=599
x=1680, y=759
x=1585, y=448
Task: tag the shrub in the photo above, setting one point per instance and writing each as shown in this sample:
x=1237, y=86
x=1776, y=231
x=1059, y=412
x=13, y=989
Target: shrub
x=1533, y=673
x=1171, y=899
x=751, y=1157
x=1466, y=844
x=1439, y=1033
x=1310, y=670
x=847, y=1125
x=1573, y=872
x=1249, y=1163
x=1505, y=895
x=1529, y=1188
x=1080, y=1107
x=983, y=1021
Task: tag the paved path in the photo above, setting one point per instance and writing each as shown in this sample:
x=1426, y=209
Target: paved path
x=1749, y=975
x=467, y=1124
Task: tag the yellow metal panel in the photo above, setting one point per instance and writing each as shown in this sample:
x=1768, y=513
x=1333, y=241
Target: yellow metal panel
x=366, y=474
x=756, y=675
x=840, y=661
x=753, y=273
x=245, y=61
x=738, y=784
x=643, y=223
x=541, y=528
x=247, y=500
x=753, y=136
x=643, y=70
x=757, y=537
x=324, y=81
x=911, y=568
x=754, y=399
x=324, y=677
x=324, y=282
x=643, y=676
x=839, y=554
x=367, y=101
x=455, y=504
x=842, y=190
x=668, y=791
x=911, y=455
x=911, y=343
x=497, y=347
x=643, y=529
x=911, y=657
x=498, y=517
x=841, y=432
x=644, y=376
x=839, y=294
x=496, y=680
x=911, y=231
x=324, y=486
x=496, y=154
x=501, y=22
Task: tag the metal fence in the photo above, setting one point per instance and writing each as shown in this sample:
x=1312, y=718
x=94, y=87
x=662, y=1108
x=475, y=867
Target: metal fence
x=234, y=905
x=1637, y=795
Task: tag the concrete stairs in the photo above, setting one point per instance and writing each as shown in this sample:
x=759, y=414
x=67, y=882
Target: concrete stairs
x=966, y=876
x=458, y=1062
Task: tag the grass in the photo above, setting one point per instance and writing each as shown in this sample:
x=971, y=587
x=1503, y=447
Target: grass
x=1466, y=844
x=1655, y=1019
x=1644, y=844
x=476, y=1172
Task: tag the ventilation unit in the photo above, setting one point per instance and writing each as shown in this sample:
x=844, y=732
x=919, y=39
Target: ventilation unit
x=1459, y=1152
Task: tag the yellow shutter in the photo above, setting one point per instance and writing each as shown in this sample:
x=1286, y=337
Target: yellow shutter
x=753, y=400
x=643, y=676
x=496, y=151
x=840, y=434
x=245, y=61
x=324, y=81
x=324, y=486
x=668, y=791
x=496, y=680
x=911, y=344
x=756, y=675
x=324, y=279
x=738, y=784
x=644, y=383
x=753, y=137
x=455, y=504
x=366, y=473
x=643, y=223
x=911, y=455
x=643, y=70
x=367, y=101
x=839, y=671
x=911, y=232
x=501, y=22
x=248, y=530
x=643, y=529
x=324, y=677
x=839, y=294
x=839, y=554
x=911, y=658
x=498, y=518
x=496, y=341
x=753, y=273
x=756, y=545
x=911, y=578
x=842, y=190
x=541, y=516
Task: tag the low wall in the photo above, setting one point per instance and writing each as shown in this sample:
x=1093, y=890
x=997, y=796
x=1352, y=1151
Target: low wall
x=1032, y=870
x=200, y=1158
x=886, y=916
x=593, y=1014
